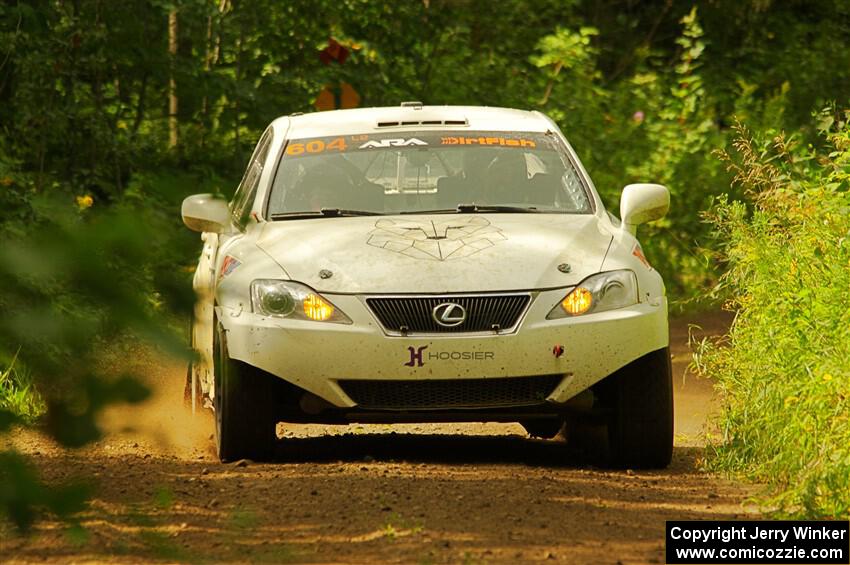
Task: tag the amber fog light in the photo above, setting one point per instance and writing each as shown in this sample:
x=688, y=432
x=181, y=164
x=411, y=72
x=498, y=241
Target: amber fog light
x=578, y=301
x=317, y=309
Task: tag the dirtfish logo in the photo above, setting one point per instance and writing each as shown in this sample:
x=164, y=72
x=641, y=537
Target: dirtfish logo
x=394, y=142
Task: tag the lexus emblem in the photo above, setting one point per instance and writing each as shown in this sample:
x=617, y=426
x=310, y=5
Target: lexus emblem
x=449, y=314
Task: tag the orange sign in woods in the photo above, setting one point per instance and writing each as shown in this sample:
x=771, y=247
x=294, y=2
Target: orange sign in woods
x=341, y=95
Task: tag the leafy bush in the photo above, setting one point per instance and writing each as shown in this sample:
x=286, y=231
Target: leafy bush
x=782, y=372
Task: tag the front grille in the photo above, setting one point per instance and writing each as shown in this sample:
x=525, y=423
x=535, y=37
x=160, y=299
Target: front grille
x=486, y=312
x=453, y=393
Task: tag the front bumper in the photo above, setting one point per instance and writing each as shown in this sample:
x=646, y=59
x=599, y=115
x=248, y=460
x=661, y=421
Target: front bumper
x=315, y=355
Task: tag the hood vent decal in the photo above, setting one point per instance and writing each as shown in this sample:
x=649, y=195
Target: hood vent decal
x=443, y=240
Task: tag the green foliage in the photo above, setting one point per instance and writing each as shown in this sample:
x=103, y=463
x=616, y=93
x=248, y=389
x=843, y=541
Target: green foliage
x=569, y=51
x=73, y=279
x=782, y=372
x=657, y=92
x=679, y=129
x=71, y=283
x=18, y=397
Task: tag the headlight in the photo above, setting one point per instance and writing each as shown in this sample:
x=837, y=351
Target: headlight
x=285, y=299
x=598, y=293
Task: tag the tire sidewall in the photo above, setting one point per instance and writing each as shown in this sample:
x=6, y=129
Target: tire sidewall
x=220, y=378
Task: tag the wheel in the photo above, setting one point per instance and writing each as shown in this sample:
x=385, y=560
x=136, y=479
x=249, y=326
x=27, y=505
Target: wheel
x=640, y=422
x=546, y=429
x=187, y=387
x=244, y=406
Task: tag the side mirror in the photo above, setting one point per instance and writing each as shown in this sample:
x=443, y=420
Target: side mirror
x=641, y=203
x=205, y=213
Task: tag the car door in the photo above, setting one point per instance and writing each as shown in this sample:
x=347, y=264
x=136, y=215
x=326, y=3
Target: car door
x=206, y=277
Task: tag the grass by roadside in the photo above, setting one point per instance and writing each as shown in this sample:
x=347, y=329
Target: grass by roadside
x=782, y=370
x=18, y=394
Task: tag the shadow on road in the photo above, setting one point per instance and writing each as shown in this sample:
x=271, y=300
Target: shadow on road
x=451, y=449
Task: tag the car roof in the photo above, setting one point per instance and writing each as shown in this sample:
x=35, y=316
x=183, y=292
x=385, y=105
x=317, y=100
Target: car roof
x=412, y=118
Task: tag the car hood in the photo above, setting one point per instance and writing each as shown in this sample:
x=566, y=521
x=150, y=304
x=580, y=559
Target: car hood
x=439, y=253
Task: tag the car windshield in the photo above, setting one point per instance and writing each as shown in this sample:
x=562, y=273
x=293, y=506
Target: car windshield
x=410, y=172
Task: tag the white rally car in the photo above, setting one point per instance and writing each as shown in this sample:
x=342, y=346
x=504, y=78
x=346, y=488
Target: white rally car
x=428, y=263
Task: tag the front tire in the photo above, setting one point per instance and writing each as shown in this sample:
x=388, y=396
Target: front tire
x=640, y=423
x=244, y=407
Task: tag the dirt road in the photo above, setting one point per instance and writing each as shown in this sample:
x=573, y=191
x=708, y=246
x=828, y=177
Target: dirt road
x=362, y=494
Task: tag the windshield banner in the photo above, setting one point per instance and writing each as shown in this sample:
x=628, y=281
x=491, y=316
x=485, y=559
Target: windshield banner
x=401, y=140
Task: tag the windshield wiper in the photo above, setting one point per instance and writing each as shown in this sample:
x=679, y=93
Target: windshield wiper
x=423, y=212
x=323, y=213
x=461, y=209
x=466, y=208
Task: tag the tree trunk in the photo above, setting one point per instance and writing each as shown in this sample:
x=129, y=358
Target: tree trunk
x=205, y=110
x=172, y=85
x=239, y=44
